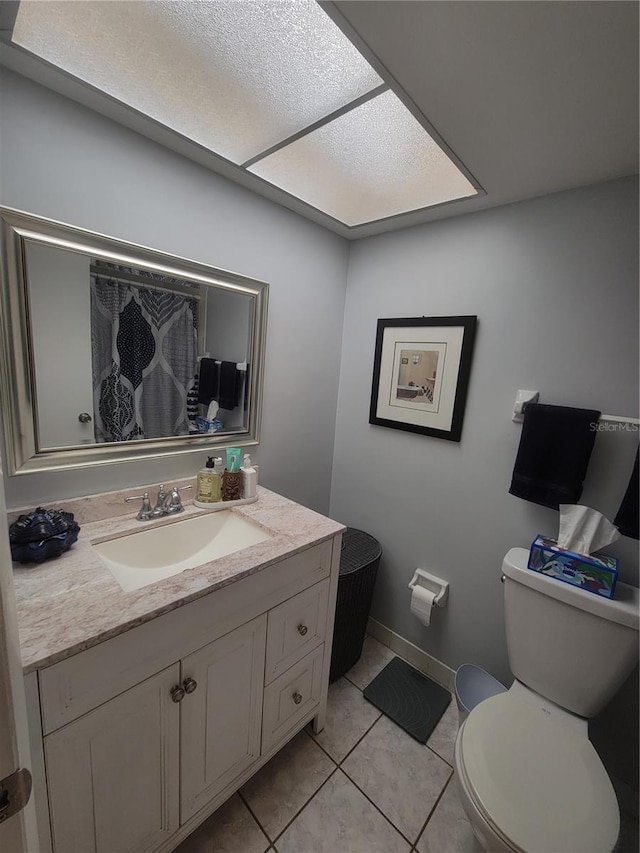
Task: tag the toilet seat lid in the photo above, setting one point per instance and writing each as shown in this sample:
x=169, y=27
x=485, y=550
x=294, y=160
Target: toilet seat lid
x=537, y=779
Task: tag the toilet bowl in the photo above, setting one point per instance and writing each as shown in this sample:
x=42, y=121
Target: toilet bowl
x=530, y=781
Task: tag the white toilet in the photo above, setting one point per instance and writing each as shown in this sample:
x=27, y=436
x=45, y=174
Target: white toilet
x=528, y=777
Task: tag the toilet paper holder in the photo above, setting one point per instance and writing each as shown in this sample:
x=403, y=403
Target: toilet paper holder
x=435, y=585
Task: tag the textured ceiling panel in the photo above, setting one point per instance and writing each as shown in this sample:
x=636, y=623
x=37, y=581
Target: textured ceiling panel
x=236, y=77
x=375, y=161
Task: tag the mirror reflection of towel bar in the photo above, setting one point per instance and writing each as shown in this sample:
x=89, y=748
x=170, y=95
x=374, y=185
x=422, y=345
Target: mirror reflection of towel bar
x=241, y=365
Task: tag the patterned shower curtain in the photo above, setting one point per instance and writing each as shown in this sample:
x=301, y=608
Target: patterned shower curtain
x=144, y=348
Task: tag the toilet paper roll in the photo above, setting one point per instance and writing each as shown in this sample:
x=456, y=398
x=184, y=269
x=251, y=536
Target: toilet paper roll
x=421, y=603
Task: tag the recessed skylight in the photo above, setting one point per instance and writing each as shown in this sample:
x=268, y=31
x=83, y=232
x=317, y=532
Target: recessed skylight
x=236, y=77
x=375, y=161
x=243, y=78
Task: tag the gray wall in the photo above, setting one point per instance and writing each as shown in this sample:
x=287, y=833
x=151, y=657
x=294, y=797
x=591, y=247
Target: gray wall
x=60, y=160
x=553, y=282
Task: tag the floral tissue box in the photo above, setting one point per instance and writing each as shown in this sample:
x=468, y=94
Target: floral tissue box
x=591, y=573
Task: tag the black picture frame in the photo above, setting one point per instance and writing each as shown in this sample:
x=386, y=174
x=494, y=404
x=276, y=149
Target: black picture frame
x=421, y=372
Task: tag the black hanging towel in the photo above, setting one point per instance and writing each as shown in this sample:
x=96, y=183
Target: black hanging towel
x=627, y=520
x=228, y=398
x=208, y=381
x=555, y=447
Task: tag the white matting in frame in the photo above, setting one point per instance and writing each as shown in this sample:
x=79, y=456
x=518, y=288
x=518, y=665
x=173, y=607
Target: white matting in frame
x=421, y=373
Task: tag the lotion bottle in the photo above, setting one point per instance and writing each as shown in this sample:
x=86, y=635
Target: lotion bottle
x=249, y=477
x=218, y=471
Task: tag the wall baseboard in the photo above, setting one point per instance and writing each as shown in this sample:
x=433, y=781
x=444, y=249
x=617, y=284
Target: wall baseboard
x=414, y=655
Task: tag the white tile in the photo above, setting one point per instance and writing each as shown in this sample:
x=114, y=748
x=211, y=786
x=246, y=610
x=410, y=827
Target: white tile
x=401, y=776
x=340, y=819
x=448, y=829
x=282, y=787
x=349, y=717
x=374, y=657
x=231, y=829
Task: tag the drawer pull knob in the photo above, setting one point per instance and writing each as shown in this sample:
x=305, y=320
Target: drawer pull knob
x=297, y=698
x=302, y=630
x=189, y=685
x=177, y=694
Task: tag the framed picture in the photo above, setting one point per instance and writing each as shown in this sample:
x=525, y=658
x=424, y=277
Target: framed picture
x=421, y=374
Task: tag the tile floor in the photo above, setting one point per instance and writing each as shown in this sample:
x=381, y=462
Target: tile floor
x=360, y=786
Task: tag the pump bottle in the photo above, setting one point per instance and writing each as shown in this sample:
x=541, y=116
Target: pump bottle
x=249, y=477
x=208, y=485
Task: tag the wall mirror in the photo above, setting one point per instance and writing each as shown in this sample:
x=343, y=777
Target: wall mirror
x=113, y=352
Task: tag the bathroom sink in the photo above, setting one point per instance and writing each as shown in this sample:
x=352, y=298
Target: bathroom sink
x=148, y=556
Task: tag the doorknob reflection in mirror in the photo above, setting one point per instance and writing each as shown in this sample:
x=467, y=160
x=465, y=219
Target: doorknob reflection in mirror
x=84, y=417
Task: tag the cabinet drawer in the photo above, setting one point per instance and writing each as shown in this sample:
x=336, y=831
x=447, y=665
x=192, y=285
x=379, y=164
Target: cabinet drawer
x=295, y=628
x=290, y=698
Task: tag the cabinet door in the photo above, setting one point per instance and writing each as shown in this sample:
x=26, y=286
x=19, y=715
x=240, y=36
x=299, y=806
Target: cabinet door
x=221, y=719
x=113, y=774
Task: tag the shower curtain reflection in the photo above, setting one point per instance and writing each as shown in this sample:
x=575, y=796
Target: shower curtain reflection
x=144, y=348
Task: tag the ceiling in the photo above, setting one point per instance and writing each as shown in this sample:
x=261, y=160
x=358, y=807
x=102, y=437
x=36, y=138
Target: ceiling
x=533, y=97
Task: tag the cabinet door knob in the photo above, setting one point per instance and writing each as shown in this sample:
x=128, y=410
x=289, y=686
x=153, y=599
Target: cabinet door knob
x=297, y=697
x=302, y=630
x=189, y=685
x=177, y=693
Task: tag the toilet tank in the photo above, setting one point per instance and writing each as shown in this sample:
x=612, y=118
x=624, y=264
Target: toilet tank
x=573, y=647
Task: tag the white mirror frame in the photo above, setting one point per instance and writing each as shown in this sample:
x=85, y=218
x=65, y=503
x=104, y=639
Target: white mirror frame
x=17, y=385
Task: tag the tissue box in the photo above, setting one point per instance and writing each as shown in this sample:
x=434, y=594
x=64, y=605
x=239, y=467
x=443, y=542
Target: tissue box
x=205, y=426
x=593, y=574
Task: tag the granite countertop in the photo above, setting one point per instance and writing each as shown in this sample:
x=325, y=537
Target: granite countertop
x=73, y=602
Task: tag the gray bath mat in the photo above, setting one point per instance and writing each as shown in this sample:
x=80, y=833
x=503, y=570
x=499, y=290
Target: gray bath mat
x=409, y=698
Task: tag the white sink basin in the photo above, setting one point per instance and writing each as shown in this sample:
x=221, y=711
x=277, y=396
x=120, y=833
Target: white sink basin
x=151, y=555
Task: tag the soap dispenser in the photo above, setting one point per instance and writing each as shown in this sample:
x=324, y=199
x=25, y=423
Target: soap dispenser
x=206, y=491
x=249, y=477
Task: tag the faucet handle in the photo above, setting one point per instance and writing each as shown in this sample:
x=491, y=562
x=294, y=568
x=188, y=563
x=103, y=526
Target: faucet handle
x=145, y=512
x=173, y=502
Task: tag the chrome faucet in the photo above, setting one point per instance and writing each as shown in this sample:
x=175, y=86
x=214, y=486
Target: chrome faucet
x=167, y=503
x=158, y=510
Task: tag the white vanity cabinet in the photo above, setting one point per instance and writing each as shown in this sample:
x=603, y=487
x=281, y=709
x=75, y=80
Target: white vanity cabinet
x=147, y=733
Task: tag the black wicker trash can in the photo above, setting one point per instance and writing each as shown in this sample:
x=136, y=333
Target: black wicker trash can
x=358, y=568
